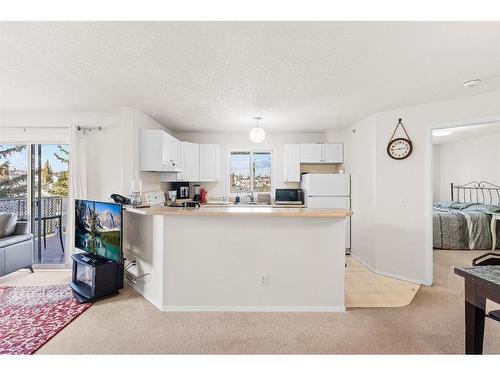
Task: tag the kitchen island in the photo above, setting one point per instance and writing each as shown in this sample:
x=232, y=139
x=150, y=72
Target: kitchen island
x=238, y=258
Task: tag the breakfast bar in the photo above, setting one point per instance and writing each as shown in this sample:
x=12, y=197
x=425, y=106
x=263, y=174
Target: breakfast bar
x=238, y=258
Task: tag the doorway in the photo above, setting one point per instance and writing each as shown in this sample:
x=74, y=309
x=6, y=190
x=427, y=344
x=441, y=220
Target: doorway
x=466, y=155
x=34, y=183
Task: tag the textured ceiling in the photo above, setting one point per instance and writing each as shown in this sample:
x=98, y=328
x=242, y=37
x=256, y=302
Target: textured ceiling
x=213, y=76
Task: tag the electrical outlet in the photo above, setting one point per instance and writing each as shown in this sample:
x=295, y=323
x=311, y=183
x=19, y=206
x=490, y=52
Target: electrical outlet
x=264, y=280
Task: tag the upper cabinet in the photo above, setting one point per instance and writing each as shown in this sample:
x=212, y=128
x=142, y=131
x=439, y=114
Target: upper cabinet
x=318, y=153
x=291, y=163
x=190, y=164
x=310, y=153
x=159, y=151
x=209, y=163
x=332, y=152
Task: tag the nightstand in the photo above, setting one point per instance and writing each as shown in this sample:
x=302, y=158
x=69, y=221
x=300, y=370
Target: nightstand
x=494, y=218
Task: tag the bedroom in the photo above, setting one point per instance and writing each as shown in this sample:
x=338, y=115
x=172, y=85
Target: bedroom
x=466, y=187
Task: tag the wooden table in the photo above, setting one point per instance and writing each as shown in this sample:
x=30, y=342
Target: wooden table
x=481, y=283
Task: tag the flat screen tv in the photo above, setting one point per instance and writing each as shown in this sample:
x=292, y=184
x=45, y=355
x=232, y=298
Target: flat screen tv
x=98, y=229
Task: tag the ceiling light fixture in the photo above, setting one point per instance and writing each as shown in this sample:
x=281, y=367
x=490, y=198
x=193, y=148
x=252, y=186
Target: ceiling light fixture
x=472, y=83
x=442, y=133
x=257, y=134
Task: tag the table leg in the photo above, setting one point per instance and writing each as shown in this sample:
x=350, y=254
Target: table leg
x=475, y=306
x=493, y=227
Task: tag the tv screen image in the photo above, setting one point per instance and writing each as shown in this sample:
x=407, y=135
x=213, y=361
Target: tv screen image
x=98, y=228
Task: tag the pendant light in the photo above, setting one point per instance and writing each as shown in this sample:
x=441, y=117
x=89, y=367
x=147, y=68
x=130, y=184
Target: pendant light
x=257, y=134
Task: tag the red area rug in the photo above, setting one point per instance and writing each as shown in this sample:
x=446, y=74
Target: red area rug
x=31, y=316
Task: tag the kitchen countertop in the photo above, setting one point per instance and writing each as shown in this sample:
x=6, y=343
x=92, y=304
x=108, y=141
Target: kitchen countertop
x=241, y=211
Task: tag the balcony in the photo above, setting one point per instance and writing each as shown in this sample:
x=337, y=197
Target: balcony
x=53, y=213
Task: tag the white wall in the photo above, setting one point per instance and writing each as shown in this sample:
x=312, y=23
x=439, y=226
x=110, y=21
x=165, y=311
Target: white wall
x=360, y=162
x=240, y=141
x=466, y=160
x=401, y=191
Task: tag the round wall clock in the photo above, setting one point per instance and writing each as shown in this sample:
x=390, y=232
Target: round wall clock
x=399, y=148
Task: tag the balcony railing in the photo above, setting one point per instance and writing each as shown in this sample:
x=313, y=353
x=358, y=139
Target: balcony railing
x=50, y=206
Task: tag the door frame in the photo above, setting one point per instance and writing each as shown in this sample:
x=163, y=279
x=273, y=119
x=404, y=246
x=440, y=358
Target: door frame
x=429, y=253
x=33, y=136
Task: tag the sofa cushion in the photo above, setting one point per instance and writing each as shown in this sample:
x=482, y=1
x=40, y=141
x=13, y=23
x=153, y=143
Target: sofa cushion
x=12, y=240
x=8, y=222
x=22, y=227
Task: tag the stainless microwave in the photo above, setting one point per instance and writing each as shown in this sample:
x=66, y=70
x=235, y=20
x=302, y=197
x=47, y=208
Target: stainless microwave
x=288, y=196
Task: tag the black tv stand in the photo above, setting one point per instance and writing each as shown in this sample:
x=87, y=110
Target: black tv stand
x=95, y=277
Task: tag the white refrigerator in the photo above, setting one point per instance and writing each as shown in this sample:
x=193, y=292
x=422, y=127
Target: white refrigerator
x=328, y=190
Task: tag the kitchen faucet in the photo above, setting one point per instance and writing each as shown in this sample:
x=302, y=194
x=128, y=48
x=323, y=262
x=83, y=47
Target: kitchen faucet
x=251, y=196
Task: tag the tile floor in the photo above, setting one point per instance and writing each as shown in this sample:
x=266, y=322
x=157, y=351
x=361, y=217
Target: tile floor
x=364, y=288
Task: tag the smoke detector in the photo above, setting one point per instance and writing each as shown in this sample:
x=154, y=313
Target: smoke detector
x=472, y=82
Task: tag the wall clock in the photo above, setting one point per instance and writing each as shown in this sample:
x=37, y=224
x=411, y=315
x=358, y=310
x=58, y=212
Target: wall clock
x=400, y=148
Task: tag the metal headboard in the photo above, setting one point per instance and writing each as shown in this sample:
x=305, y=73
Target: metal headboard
x=476, y=192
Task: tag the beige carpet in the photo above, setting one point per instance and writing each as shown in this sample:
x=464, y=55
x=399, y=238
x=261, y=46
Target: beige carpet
x=432, y=323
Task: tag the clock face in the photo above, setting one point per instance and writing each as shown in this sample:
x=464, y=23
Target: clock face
x=399, y=148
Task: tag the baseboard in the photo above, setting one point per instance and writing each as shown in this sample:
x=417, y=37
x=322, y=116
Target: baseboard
x=143, y=295
x=253, y=309
x=394, y=276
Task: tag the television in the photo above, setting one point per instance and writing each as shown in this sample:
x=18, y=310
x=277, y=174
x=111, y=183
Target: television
x=98, y=229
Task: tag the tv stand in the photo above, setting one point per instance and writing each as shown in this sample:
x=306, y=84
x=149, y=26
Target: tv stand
x=95, y=277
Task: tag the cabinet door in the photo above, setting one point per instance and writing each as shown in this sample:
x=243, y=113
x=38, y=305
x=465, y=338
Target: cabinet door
x=173, y=150
x=310, y=153
x=209, y=163
x=190, y=162
x=152, y=151
x=291, y=162
x=332, y=153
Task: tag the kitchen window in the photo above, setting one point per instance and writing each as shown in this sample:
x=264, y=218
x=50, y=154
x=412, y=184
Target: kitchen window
x=250, y=171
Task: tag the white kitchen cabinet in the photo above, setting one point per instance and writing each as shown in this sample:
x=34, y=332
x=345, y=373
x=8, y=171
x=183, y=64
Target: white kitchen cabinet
x=321, y=153
x=291, y=163
x=310, y=152
x=190, y=164
x=209, y=163
x=159, y=151
x=332, y=152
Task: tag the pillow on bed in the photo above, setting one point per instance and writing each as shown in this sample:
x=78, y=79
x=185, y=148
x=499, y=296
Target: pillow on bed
x=443, y=204
x=452, y=205
x=486, y=208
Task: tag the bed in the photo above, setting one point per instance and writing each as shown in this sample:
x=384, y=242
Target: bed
x=464, y=222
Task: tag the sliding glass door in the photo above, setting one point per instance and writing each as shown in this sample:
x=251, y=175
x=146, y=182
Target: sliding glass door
x=49, y=202
x=34, y=183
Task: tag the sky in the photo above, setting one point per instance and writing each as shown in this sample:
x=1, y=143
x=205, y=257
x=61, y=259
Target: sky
x=240, y=164
x=19, y=160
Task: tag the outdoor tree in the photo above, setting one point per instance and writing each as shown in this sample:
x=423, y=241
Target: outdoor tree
x=47, y=173
x=11, y=186
x=61, y=186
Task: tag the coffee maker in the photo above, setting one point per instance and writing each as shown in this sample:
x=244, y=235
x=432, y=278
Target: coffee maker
x=196, y=193
x=182, y=189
